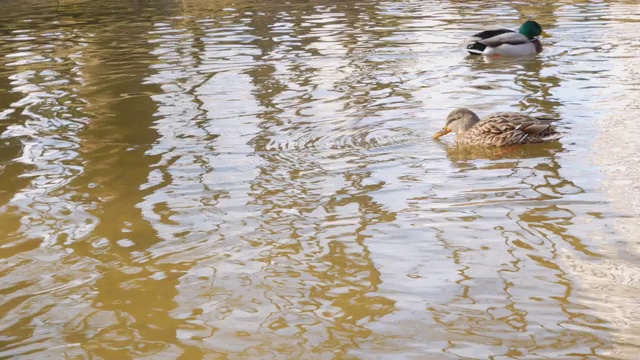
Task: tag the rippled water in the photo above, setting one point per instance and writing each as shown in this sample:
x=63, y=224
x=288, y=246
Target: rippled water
x=257, y=180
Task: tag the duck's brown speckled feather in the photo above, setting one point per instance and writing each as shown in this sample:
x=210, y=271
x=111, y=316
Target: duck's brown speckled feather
x=509, y=128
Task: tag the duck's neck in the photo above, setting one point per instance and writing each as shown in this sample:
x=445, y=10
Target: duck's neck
x=467, y=123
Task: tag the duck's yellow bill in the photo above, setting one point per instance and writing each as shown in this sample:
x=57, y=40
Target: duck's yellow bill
x=545, y=34
x=442, y=132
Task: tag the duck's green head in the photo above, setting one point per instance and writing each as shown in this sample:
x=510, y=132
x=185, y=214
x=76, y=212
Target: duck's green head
x=530, y=29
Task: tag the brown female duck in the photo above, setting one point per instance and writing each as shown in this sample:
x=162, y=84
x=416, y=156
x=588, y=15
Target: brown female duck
x=498, y=129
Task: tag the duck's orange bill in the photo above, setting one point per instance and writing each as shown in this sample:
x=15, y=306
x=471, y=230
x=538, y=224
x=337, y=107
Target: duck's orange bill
x=442, y=132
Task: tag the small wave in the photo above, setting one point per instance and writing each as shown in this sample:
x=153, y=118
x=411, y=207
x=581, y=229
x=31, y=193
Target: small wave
x=358, y=138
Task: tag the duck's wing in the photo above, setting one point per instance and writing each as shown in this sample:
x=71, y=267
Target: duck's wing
x=538, y=126
x=491, y=33
x=511, y=38
x=492, y=132
x=493, y=39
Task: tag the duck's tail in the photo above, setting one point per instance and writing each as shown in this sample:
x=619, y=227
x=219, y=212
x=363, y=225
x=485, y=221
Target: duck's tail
x=553, y=135
x=476, y=48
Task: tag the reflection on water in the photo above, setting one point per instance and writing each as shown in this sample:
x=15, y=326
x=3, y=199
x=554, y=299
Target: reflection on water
x=258, y=180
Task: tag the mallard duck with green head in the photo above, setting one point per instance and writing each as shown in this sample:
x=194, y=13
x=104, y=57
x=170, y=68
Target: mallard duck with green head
x=505, y=42
x=498, y=129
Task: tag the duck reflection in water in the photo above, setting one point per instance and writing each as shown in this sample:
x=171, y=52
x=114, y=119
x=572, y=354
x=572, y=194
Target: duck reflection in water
x=465, y=153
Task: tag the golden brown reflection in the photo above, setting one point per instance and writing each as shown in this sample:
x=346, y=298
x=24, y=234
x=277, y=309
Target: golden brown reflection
x=256, y=180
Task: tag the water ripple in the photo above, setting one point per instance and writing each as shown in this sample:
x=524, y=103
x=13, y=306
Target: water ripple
x=258, y=180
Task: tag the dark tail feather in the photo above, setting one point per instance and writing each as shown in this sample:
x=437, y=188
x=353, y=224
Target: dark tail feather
x=476, y=48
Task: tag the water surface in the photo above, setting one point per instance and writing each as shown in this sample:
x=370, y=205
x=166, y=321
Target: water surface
x=257, y=180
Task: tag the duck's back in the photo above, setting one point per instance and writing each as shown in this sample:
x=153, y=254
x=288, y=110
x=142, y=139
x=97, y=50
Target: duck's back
x=491, y=33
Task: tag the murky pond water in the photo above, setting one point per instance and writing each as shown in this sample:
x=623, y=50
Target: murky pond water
x=257, y=180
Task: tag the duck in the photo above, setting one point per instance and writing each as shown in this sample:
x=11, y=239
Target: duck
x=499, y=129
x=506, y=42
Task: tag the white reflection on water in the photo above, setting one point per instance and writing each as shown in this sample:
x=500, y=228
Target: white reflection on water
x=257, y=182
